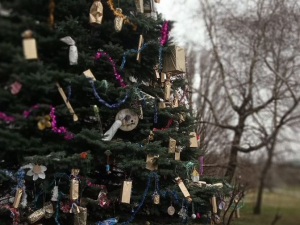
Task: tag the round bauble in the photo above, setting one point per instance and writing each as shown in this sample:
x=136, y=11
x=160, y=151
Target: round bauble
x=129, y=119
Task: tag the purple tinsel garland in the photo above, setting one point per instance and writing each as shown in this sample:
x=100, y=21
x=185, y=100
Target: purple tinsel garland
x=61, y=130
x=164, y=33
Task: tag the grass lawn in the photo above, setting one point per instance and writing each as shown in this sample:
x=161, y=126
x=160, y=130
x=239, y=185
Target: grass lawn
x=284, y=201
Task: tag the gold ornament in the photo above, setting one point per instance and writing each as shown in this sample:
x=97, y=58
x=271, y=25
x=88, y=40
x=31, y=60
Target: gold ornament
x=44, y=121
x=47, y=211
x=17, y=199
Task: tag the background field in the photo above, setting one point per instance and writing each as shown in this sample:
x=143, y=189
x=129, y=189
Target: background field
x=284, y=201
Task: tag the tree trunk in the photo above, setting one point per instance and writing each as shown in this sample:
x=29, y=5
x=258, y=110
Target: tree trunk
x=233, y=159
x=267, y=166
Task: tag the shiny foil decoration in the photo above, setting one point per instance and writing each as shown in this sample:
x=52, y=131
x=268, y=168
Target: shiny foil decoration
x=156, y=199
x=18, y=196
x=167, y=90
x=96, y=13
x=74, y=189
x=118, y=21
x=80, y=216
x=47, y=211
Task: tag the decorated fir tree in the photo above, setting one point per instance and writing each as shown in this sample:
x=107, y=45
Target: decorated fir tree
x=93, y=118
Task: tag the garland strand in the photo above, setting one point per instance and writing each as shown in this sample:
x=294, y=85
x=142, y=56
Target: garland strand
x=61, y=130
x=165, y=128
x=163, y=39
x=152, y=174
x=6, y=118
x=118, y=76
x=115, y=105
x=26, y=113
x=116, y=13
x=14, y=213
x=133, y=51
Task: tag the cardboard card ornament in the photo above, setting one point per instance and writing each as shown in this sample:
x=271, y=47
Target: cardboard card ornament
x=29, y=45
x=174, y=61
x=118, y=21
x=151, y=162
x=172, y=145
x=96, y=13
x=88, y=74
x=139, y=6
x=183, y=189
x=141, y=41
x=126, y=192
x=167, y=90
x=193, y=140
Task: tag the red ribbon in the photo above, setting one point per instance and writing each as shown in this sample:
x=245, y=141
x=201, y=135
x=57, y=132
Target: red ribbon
x=15, y=213
x=165, y=128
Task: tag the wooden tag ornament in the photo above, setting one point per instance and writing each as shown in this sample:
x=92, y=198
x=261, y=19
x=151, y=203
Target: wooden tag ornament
x=141, y=41
x=96, y=13
x=118, y=22
x=126, y=192
x=183, y=189
x=29, y=45
x=64, y=97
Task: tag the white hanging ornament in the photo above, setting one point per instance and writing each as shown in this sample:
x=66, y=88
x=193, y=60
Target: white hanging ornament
x=29, y=45
x=73, y=52
x=54, y=194
x=126, y=120
x=36, y=171
x=171, y=210
x=118, y=20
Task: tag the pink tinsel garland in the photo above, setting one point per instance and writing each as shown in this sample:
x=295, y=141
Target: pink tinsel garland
x=61, y=130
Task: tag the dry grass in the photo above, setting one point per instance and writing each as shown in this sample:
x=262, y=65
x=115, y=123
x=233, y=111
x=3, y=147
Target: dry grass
x=286, y=202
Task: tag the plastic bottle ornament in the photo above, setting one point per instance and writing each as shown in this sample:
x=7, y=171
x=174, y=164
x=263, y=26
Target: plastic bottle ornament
x=198, y=215
x=118, y=21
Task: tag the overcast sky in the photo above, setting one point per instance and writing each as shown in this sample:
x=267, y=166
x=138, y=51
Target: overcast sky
x=188, y=30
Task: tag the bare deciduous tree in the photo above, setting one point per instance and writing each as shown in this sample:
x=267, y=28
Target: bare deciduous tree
x=251, y=72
